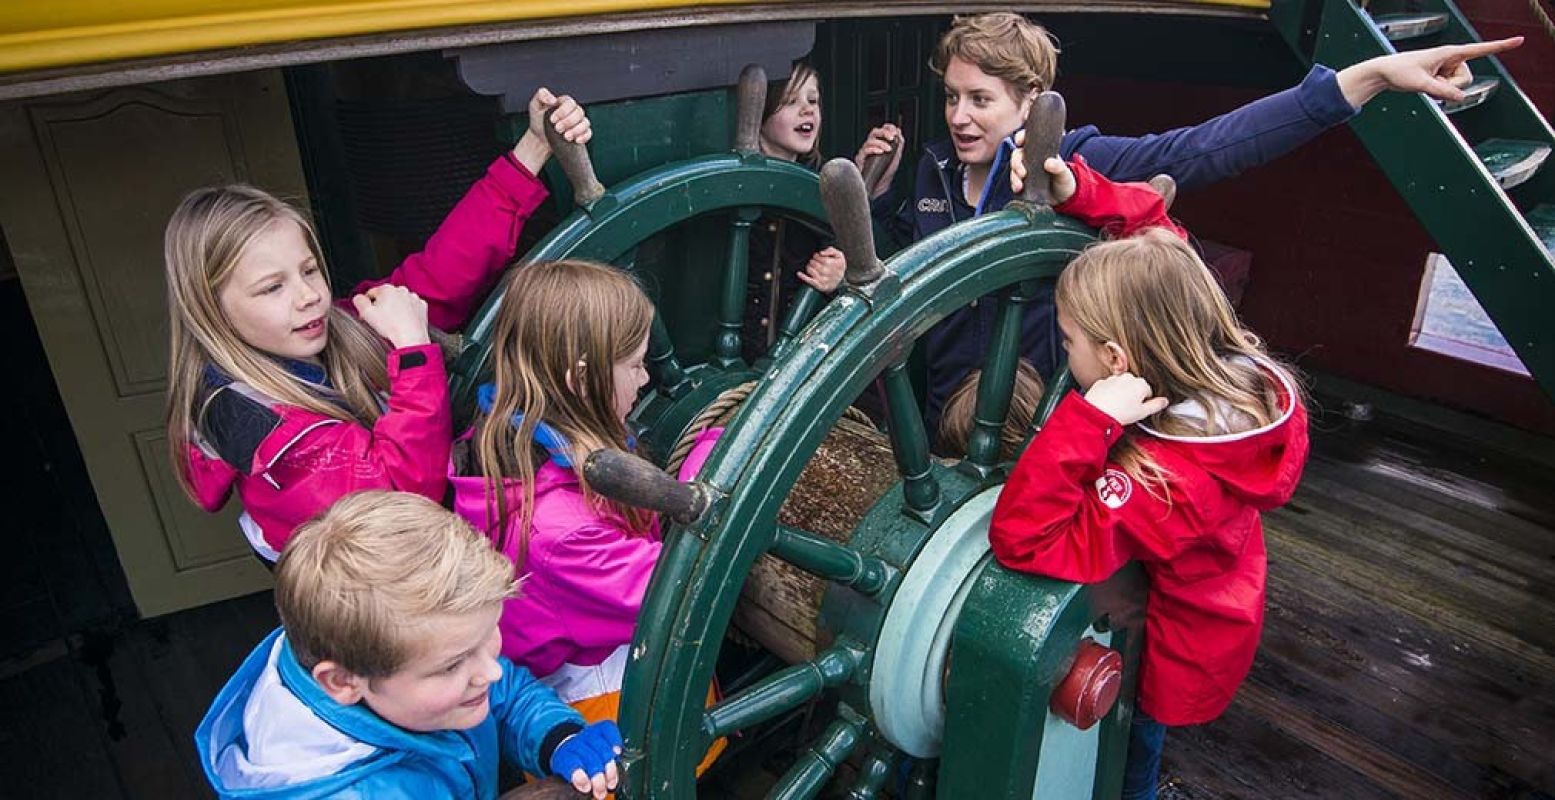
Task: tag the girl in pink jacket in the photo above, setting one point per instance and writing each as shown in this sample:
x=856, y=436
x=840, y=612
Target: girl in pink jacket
x=568, y=356
x=278, y=392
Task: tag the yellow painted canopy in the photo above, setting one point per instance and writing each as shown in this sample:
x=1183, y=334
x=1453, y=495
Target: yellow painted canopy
x=38, y=34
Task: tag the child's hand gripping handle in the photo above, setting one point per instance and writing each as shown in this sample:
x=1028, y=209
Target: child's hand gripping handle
x=750, y=98
x=842, y=192
x=574, y=158
x=625, y=478
x=1044, y=133
x=876, y=165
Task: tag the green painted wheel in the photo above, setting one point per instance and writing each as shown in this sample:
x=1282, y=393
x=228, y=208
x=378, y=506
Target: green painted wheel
x=608, y=229
x=880, y=678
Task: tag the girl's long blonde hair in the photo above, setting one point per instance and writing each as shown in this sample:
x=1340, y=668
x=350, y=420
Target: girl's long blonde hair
x=205, y=239
x=1154, y=297
x=561, y=322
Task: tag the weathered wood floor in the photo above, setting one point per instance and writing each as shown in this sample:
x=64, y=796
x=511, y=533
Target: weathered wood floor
x=1410, y=652
x=1410, y=642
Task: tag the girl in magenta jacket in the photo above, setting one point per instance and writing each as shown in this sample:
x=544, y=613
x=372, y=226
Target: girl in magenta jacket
x=285, y=396
x=1185, y=432
x=568, y=356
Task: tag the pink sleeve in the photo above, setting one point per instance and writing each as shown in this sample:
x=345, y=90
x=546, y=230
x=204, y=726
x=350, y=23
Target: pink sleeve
x=406, y=449
x=600, y=575
x=700, y=450
x=211, y=478
x=463, y=259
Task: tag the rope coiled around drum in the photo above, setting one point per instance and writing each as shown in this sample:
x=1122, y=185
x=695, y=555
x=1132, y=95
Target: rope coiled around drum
x=851, y=470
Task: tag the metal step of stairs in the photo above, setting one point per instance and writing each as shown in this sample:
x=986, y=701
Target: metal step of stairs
x=1511, y=161
x=1402, y=27
x=1477, y=92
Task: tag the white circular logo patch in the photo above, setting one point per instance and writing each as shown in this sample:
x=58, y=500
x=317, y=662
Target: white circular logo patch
x=1114, y=488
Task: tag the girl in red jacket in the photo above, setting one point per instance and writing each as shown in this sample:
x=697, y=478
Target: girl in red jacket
x=278, y=392
x=1183, y=431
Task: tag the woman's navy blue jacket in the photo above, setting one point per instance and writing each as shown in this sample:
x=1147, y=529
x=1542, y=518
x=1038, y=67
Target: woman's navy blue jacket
x=1195, y=156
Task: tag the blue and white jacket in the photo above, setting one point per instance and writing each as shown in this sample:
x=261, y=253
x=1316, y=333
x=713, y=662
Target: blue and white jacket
x=272, y=732
x=1197, y=155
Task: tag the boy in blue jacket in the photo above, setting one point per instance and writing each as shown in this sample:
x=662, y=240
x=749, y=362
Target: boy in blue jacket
x=385, y=679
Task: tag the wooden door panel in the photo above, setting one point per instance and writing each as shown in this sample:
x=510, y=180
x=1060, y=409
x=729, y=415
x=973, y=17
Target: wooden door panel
x=89, y=183
x=114, y=215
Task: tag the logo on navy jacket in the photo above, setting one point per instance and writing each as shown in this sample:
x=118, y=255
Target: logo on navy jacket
x=933, y=205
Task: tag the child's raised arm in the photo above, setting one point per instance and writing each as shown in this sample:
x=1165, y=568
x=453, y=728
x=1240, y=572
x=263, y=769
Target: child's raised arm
x=1119, y=209
x=476, y=241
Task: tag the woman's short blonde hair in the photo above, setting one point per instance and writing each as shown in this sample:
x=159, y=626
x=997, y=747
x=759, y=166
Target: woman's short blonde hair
x=355, y=585
x=1005, y=45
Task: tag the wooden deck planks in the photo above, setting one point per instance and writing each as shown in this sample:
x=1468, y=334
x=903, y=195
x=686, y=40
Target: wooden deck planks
x=1409, y=648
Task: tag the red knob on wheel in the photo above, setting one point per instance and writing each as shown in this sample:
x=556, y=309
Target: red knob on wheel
x=1087, y=693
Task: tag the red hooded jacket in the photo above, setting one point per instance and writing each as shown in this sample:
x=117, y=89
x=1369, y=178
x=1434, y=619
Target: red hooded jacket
x=288, y=463
x=1069, y=513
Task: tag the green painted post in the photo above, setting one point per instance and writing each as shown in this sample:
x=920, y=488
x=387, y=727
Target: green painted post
x=997, y=382
x=872, y=774
x=668, y=375
x=731, y=312
x=799, y=313
x=827, y=559
x=1058, y=385
x=811, y=771
x=910, y=443
x=1014, y=642
x=781, y=691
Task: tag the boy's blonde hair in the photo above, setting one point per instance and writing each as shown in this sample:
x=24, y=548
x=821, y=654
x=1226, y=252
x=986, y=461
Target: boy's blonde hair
x=958, y=418
x=561, y=329
x=1154, y=297
x=355, y=585
x=1005, y=45
x=205, y=239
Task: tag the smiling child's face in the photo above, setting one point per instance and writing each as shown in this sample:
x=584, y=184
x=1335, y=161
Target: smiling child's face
x=445, y=686
x=792, y=129
x=276, y=296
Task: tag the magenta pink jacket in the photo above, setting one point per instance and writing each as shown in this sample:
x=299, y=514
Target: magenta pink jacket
x=584, y=575
x=288, y=464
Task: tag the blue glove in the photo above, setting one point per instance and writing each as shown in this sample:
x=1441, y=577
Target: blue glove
x=591, y=750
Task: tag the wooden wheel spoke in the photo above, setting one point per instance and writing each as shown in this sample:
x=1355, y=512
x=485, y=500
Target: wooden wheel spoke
x=781, y=692
x=814, y=768
x=834, y=562
x=997, y=383
x=910, y=444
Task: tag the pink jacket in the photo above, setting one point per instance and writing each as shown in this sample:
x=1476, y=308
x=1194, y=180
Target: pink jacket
x=288, y=464
x=584, y=575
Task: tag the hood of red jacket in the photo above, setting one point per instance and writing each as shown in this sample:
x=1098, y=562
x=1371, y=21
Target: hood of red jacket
x=1260, y=467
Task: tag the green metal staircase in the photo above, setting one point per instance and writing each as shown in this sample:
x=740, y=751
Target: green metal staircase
x=1475, y=173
